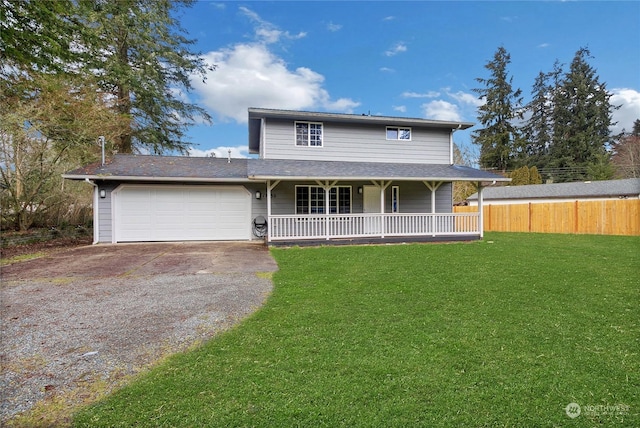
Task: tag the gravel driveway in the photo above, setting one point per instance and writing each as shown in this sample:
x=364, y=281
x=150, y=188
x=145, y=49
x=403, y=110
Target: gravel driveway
x=93, y=315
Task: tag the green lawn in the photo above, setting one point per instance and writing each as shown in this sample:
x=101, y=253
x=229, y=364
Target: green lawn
x=503, y=332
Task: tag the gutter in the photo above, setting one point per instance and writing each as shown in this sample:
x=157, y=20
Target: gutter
x=165, y=179
x=377, y=177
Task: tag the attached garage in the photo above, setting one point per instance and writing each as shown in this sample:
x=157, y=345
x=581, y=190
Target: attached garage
x=143, y=213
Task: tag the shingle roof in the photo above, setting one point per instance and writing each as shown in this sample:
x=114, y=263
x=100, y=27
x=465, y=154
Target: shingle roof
x=255, y=113
x=173, y=168
x=298, y=169
x=181, y=168
x=608, y=188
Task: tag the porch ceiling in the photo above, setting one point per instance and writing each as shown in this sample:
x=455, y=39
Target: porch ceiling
x=277, y=169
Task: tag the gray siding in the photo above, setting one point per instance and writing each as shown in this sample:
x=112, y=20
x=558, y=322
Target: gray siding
x=105, y=230
x=258, y=206
x=415, y=197
x=349, y=142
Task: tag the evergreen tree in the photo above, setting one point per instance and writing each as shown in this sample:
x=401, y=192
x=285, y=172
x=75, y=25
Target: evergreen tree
x=525, y=175
x=582, y=115
x=37, y=36
x=135, y=50
x=498, y=139
x=537, y=131
x=143, y=59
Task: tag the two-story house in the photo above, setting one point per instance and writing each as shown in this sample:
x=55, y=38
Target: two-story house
x=319, y=177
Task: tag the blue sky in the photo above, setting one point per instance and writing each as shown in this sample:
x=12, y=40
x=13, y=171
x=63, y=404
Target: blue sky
x=411, y=59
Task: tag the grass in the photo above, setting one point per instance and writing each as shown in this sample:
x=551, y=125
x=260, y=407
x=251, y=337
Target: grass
x=21, y=258
x=504, y=332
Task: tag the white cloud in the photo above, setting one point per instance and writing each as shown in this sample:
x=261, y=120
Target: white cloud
x=543, y=45
x=267, y=32
x=334, y=27
x=396, y=49
x=629, y=100
x=441, y=110
x=249, y=75
x=466, y=98
x=401, y=109
x=430, y=94
x=389, y=18
x=220, y=152
x=387, y=70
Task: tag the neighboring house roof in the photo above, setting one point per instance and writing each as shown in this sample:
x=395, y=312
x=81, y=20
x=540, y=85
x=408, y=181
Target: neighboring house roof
x=183, y=169
x=588, y=189
x=256, y=114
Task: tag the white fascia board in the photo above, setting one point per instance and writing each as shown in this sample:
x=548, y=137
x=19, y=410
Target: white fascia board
x=255, y=113
x=356, y=178
x=164, y=179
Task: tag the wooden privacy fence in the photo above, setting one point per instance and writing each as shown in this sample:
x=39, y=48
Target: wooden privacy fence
x=606, y=217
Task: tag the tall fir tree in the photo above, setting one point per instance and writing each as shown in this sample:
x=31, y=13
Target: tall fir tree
x=144, y=60
x=498, y=139
x=537, y=130
x=582, y=116
x=37, y=36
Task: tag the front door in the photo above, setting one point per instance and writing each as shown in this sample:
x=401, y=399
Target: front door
x=371, y=205
x=370, y=199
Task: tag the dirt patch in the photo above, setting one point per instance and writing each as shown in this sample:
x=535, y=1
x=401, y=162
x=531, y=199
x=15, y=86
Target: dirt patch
x=45, y=247
x=93, y=316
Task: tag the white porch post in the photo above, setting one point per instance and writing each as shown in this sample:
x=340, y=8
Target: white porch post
x=480, y=210
x=383, y=223
x=270, y=187
x=326, y=210
x=327, y=192
x=268, y=210
x=433, y=186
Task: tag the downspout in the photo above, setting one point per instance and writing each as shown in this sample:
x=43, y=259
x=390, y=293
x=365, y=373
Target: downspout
x=96, y=225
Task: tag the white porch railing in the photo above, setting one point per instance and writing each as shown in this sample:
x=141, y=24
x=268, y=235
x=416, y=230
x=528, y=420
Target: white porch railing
x=320, y=226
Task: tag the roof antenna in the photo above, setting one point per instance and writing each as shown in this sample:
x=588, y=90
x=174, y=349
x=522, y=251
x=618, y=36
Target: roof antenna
x=229, y=158
x=101, y=142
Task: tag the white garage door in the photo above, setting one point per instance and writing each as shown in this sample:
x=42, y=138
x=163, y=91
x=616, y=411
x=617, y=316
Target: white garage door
x=182, y=213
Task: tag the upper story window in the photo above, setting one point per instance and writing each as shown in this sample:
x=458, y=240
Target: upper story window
x=309, y=134
x=395, y=133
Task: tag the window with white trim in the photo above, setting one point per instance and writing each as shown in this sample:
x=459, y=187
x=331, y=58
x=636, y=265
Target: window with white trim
x=311, y=200
x=396, y=133
x=395, y=199
x=308, y=134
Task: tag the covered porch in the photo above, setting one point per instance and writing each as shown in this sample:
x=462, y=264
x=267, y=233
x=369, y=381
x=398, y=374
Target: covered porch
x=349, y=201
